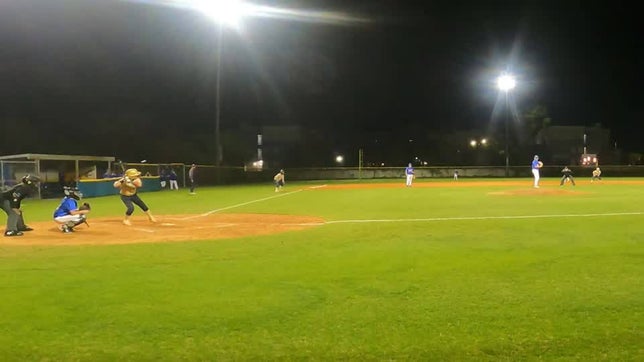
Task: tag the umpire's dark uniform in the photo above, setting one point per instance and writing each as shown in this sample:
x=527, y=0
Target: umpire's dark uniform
x=567, y=174
x=11, y=206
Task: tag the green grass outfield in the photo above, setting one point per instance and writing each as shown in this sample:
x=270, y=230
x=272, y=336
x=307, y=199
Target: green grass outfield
x=405, y=274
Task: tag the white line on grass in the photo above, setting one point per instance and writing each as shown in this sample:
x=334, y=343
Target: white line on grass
x=239, y=205
x=249, y=202
x=465, y=218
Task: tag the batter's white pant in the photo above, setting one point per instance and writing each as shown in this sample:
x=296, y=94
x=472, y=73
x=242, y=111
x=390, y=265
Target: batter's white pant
x=174, y=185
x=409, y=179
x=535, y=173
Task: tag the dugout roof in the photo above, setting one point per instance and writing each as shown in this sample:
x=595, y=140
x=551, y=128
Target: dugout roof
x=41, y=156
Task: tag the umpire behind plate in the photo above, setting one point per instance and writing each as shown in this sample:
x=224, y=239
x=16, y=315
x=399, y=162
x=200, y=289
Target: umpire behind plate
x=10, y=201
x=68, y=214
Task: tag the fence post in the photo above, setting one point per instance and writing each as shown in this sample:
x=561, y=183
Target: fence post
x=360, y=156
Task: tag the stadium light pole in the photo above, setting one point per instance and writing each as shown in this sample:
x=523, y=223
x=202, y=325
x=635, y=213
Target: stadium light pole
x=225, y=13
x=219, y=156
x=506, y=83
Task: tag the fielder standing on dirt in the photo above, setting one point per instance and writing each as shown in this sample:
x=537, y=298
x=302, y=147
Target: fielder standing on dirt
x=128, y=186
x=536, y=165
x=409, y=175
x=567, y=175
x=279, y=180
x=11, y=200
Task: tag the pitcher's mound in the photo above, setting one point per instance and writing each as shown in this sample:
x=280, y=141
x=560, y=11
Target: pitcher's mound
x=168, y=228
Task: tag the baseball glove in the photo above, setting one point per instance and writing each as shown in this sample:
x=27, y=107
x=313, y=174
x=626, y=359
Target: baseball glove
x=85, y=206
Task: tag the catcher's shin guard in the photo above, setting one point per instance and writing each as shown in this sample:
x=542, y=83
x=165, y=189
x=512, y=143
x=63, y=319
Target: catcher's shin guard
x=72, y=224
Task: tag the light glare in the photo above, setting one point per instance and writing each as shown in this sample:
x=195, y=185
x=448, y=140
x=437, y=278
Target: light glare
x=225, y=12
x=506, y=82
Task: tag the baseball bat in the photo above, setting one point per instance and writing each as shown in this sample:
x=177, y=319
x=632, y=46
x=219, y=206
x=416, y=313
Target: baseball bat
x=120, y=163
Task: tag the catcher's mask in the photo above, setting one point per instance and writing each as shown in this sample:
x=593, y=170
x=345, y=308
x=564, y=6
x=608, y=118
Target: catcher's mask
x=132, y=173
x=73, y=192
x=30, y=179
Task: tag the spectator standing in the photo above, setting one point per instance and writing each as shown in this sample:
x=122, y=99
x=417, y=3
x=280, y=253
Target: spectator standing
x=163, y=177
x=173, y=180
x=192, y=174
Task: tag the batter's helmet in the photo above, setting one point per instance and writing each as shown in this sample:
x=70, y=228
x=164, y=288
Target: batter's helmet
x=132, y=173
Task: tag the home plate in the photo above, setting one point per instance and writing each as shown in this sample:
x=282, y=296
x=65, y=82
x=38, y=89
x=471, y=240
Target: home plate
x=167, y=224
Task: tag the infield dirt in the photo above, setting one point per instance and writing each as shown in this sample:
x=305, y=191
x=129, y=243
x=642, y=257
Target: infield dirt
x=168, y=228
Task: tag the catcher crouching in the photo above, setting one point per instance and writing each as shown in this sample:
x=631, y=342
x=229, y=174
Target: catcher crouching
x=69, y=214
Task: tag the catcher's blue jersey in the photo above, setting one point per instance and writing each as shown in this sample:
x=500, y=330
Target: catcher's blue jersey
x=66, y=206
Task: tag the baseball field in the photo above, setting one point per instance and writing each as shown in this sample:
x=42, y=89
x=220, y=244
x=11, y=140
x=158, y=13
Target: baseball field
x=369, y=271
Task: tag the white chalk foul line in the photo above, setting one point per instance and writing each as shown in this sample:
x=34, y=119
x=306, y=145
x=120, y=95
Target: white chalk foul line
x=465, y=218
x=239, y=205
x=144, y=230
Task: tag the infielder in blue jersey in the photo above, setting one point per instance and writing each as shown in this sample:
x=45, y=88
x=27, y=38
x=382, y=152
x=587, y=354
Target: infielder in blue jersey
x=409, y=174
x=536, y=165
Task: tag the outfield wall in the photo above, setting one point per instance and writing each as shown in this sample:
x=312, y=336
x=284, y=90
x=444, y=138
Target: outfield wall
x=105, y=187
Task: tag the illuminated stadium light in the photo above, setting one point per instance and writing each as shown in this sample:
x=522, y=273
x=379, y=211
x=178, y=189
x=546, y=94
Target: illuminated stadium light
x=339, y=159
x=484, y=141
x=506, y=82
x=473, y=143
x=225, y=12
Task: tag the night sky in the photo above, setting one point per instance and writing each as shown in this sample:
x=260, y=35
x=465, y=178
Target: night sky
x=137, y=80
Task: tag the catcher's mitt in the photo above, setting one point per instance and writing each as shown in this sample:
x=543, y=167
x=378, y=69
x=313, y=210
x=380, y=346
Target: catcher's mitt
x=85, y=206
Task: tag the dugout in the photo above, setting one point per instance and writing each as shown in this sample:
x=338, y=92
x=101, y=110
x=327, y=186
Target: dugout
x=55, y=171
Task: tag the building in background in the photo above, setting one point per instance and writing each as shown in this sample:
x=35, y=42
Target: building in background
x=565, y=145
